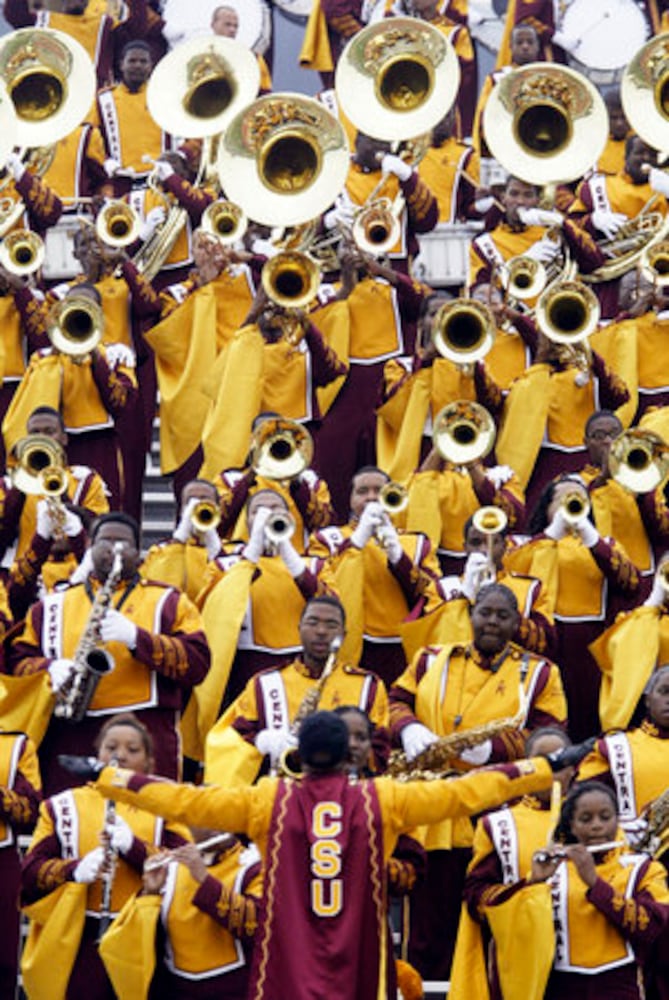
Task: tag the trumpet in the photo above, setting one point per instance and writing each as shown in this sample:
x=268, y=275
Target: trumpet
x=205, y=515
x=225, y=221
x=463, y=331
x=35, y=455
x=281, y=449
x=117, y=224
x=575, y=505
x=279, y=527
x=490, y=521
x=22, y=252
x=464, y=432
x=291, y=279
x=75, y=326
x=394, y=498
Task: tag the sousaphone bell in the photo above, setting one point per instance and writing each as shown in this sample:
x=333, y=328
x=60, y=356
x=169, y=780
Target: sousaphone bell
x=644, y=92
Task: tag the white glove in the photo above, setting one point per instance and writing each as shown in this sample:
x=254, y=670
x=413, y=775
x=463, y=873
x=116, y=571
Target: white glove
x=255, y=546
x=587, y=532
x=183, y=530
x=59, y=672
x=540, y=217
x=15, y=166
x=272, y=742
x=342, y=215
x=391, y=164
x=371, y=518
x=89, y=867
x=478, y=755
x=565, y=41
x=498, y=475
x=119, y=354
x=608, y=223
x=559, y=526
x=543, y=251
x=415, y=738
x=292, y=559
x=390, y=540
x=484, y=204
x=115, y=627
x=263, y=248
x=84, y=569
x=211, y=542
x=472, y=574
x=44, y=522
x=634, y=829
x=120, y=835
x=162, y=170
x=658, y=596
x=73, y=524
x=154, y=219
x=111, y=166
x=658, y=180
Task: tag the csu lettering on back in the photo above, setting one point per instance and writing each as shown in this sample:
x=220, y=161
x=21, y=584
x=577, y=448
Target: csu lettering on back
x=327, y=889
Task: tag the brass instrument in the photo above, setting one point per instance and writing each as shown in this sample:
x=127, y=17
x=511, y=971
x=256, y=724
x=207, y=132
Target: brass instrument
x=281, y=449
x=225, y=221
x=154, y=252
x=545, y=123
x=655, y=838
x=34, y=454
x=397, y=78
x=524, y=278
x=8, y=126
x=394, y=498
x=197, y=88
x=567, y=313
x=205, y=515
x=22, y=252
x=643, y=92
x=463, y=331
x=464, y=432
x=76, y=325
x=50, y=80
x=283, y=159
x=279, y=527
x=291, y=279
x=376, y=226
x=91, y=662
x=574, y=505
x=37, y=161
x=654, y=263
x=662, y=575
x=490, y=521
x=639, y=460
x=117, y=224
x=634, y=242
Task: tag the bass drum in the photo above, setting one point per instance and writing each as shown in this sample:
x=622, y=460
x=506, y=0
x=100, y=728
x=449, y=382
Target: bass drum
x=608, y=32
x=184, y=21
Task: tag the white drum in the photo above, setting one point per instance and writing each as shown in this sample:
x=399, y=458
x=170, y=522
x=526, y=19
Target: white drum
x=444, y=253
x=607, y=34
x=59, y=259
x=187, y=20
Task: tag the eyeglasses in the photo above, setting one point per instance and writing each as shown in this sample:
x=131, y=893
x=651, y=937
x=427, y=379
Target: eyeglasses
x=603, y=435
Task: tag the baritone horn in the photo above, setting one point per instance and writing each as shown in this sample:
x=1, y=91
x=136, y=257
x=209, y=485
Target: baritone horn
x=225, y=221
x=117, y=224
x=283, y=159
x=291, y=279
x=464, y=432
x=639, y=460
x=397, y=78
x=545, y=123
x=198, y=87
x=463, y=331
x=76, y=326
x=568, y=313
x=50, y=81
x=281, y=449
x=22, y=252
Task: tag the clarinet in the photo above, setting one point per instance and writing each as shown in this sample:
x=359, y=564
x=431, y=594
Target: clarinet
x=108, y=873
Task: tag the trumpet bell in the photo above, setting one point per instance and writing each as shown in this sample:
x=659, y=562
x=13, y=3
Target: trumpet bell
x=463, y=331
x=117, y=224
x=291, y=279
x=198, y=87
x=224, y=220
x=50, y=80
x=394, y=498
x=281, y=449
x=397, y=78
x=283, y=159
x=38, y=458
x=568, y=313
x=76, y=326
x=463, y=433
x=53, y=479
x=644, y=91
x=654, y=263
x=575, y=505
x=376, y=228
x=490, y=520
x=22, y=252
x=524, y=278
x=639, y=460
x=205, y=515
x=545, y=123
x=279, y=527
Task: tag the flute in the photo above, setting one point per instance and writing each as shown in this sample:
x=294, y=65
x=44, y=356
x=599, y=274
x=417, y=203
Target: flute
x=558, y=853
x=162, y=860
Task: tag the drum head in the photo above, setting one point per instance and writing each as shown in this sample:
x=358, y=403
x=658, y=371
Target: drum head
x=609, y=31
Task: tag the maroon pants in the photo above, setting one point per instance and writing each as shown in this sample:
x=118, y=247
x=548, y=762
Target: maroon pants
x=10, y=880
x=435, y=912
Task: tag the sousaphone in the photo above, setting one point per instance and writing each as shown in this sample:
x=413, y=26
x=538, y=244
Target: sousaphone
x=644, y=92
x=397, y=78
x=545, y=123
x=198, y=87
x=50, y=81
x=283, y=159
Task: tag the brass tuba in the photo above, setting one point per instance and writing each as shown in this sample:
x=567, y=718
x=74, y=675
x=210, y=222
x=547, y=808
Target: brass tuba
x=22, y=252
x=567, y=313
x=291, y=279
x=283, y=159
x=281, y=449
x=639, y=460
x=225, y=221
x=463, y=331
x=76, y=325
x=397, y=78
x=644, y=92
x=117, y=224
x=198, y=87
x=464, y=432
x=545, y=123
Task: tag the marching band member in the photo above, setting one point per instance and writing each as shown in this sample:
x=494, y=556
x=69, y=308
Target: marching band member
x=612, y=160
x=225, y=22
x=450, y=169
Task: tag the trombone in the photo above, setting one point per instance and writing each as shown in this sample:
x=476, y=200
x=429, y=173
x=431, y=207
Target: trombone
x=225, y=221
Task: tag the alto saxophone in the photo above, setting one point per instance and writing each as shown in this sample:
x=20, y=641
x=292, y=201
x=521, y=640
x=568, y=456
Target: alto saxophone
x=90, y=661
